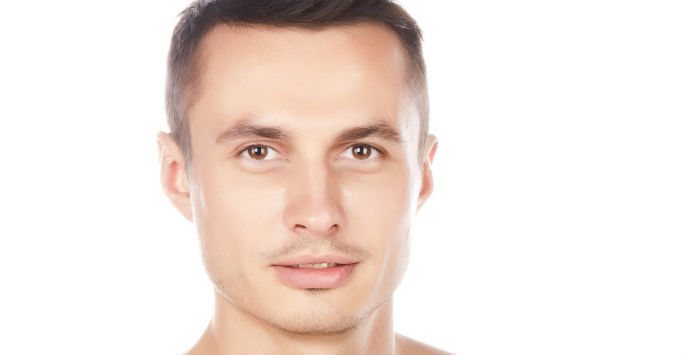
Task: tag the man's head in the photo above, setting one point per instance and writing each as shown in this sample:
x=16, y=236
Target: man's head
x=309, y=144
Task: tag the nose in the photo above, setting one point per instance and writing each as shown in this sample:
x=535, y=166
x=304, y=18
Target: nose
x=313, y=205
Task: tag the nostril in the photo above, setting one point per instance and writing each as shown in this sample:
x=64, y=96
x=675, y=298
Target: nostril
x=333, y=229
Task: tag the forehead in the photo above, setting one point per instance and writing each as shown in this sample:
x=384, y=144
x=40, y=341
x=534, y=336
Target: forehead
x=341, y=71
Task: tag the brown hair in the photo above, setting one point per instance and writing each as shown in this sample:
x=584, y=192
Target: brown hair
x=202, y=15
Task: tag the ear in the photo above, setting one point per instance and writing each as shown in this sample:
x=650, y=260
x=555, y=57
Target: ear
x=174, y=180
x=426, y=174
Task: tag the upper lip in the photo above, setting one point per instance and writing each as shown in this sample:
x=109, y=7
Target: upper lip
x=313, y=259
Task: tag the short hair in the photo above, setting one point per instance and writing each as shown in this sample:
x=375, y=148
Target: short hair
x=203, y=15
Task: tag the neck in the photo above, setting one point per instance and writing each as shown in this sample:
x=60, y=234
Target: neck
x=234, y=331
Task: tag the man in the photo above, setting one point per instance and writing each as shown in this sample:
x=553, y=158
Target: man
x=299, y=148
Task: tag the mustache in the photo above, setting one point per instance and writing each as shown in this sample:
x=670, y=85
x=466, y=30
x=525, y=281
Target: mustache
x=318, y=245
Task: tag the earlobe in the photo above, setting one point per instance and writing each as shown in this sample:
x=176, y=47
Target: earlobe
x=426, y=172
x=173, y=178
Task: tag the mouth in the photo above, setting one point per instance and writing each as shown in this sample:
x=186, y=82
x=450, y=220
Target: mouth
x=314, y=266
x=316, y=260
x=315, y=274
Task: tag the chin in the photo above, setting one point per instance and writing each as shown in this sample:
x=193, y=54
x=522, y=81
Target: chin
x=317, y=326
x=323, y=316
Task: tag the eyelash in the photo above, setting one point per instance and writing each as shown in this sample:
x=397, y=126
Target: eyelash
x=381, y=153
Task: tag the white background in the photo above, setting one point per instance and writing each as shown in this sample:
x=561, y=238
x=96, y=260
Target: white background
x=557, y=224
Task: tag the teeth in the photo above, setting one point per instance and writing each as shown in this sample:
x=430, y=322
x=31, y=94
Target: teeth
x=315, y=266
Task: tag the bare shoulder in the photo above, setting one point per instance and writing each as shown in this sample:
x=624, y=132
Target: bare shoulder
x=406, y=346
x=205, y=345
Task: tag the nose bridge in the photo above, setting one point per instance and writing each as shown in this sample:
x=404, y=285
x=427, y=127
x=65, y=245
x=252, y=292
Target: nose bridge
x=313, y=199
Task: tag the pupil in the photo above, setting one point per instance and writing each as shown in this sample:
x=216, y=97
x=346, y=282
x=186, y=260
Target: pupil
x=361, y=151
x=257, y=152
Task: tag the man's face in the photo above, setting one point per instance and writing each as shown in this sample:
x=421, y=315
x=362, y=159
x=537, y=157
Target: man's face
x=286, y=171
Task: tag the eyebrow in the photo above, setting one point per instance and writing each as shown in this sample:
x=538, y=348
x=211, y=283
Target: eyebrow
x=248, y=129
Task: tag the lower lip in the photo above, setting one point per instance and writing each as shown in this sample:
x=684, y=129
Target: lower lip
x=329, y=277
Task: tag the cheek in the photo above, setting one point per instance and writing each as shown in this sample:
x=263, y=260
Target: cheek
x=381, y=200
x=379, y=218
x=234, y=218
x=379, y=209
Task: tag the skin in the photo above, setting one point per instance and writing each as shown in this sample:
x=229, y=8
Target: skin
x=310, y=193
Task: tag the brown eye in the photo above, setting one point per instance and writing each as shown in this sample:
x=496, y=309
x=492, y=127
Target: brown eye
x=361, y=151
x=257, y=152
